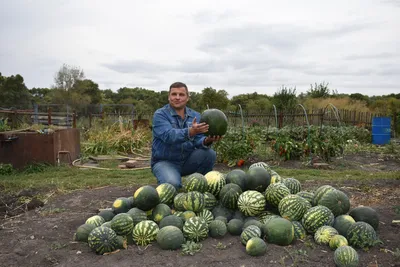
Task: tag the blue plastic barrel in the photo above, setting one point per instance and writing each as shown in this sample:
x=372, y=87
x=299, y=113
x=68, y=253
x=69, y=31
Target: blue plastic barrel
x=381, y=131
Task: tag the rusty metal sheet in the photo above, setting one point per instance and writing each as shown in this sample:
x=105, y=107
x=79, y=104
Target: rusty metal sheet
x=24, y=148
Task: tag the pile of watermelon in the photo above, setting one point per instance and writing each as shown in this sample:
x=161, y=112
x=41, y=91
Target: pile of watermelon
x=258, y=205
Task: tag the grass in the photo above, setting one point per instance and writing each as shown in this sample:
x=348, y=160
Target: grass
x=64, y=179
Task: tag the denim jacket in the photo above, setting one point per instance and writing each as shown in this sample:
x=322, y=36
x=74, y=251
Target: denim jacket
x=171, y=140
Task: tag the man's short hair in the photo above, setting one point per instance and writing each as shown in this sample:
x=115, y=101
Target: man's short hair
x=178, y=85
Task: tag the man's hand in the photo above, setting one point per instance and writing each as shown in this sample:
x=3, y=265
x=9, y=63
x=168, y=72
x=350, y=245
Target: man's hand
x=197, y=128
x=210, y=139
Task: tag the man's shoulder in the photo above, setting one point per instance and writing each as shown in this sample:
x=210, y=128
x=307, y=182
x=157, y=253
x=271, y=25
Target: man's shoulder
x=192, y=112
x=162, y=109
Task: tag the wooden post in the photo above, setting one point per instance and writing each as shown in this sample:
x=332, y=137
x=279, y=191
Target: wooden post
x=73, y=119
x=90, y=120
x=14, y=120
x=49, y=116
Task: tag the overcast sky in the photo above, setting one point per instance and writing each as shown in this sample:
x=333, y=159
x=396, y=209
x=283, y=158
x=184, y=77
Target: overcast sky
x=238, y=46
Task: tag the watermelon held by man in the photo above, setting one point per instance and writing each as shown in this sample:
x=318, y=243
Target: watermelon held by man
x=216, y=120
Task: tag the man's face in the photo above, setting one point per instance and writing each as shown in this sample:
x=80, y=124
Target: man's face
x=178, y=97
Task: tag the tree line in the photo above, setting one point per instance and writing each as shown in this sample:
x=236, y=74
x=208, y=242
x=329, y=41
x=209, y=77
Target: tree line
x=72, y=88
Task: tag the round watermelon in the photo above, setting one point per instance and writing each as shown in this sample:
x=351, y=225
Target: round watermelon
x=258, y=179
x=237, y=176
x=216, y=120
x=146, y=198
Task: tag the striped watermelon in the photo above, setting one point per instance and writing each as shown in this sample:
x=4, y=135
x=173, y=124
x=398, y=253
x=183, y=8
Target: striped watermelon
x=103, y=240
x=206, y=215
x=254, y=222
x=106, y=224
x=166, y=192
x=194, y=201
x=276, y=178
x=335, y=200
x=299, y=231
x=320, y=192
x=249, y=232
x=342, y=223
x=210, y=201
x=324, y=234
x=260, y=164
x=309, y=196
x=264, y=214
x=195, y=229
x=338, y=241
x=195, y=182
x=293, y=207
x=229, y=195
x=145, y=232
x=186, y=215
x=96, y=220
x=265, y=219
x=316, y=217
x=251, y=203
x=293, y=184
x=215, y=180
x=122, y=224
x=275, y=193
x=178, y=201
x=346, y=256
x=137, y=215
x=361, y=235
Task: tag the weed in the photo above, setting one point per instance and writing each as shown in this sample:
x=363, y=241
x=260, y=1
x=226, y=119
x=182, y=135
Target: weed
x=190, y=248
x=50, y=211
x=6, y=169
x=397, y=209
x=221, y=246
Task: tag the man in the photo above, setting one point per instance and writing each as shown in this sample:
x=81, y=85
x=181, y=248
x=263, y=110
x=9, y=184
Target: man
x=179, y=145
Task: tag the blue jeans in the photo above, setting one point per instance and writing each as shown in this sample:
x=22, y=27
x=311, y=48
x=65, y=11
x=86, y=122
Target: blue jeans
x=200, y=160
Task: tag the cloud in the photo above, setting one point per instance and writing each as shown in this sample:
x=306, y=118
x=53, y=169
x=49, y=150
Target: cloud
x=382, y=55
x=135, y=66
x=213, y=17
x=392, y=2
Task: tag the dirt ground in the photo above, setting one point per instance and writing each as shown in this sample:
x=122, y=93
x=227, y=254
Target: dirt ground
x=43, y=236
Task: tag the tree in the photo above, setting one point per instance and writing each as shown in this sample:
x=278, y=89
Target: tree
x=320, y=91
x=40, y=95
x=67, y=76
x=214, y=99
x=358, y=96
x=88, y=88
x=285, y=99
x=13, y=92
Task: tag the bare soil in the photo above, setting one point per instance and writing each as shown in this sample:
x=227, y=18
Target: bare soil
x=43, y=236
